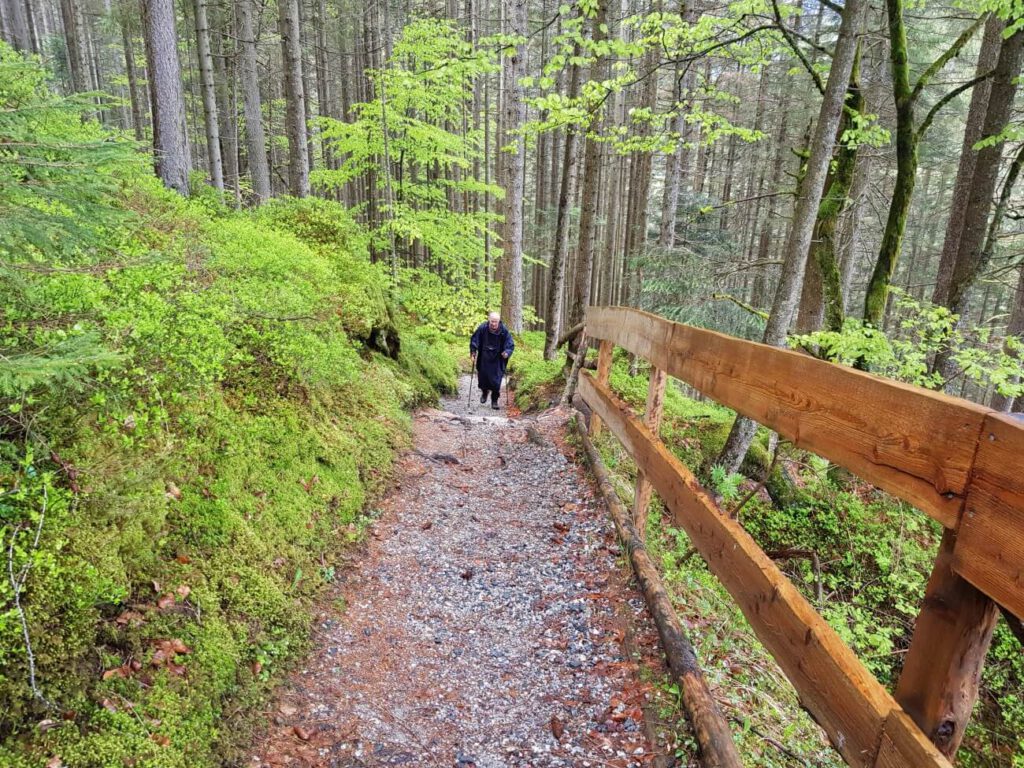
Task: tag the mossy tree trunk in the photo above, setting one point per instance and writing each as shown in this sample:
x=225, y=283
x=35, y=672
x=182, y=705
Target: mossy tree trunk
x=908, y=141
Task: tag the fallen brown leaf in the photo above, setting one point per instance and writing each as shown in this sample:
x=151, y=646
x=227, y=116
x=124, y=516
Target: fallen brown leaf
x=557, y=727
x=303, y=733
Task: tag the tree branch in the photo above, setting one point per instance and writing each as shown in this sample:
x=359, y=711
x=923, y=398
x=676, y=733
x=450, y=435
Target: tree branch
x=787, y=36
x=950, y=52
x=927, y=122
x=741, y=304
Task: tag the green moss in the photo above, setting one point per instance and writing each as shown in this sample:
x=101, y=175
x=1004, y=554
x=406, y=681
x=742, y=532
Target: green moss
x=219, y=467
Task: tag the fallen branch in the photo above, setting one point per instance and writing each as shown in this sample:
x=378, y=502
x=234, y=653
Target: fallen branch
x=711, y=729
x=17, y=585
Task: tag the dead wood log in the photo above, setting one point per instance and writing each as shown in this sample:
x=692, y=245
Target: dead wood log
x=711, y=729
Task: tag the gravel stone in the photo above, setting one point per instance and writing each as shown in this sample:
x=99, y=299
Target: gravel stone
x=465, y=641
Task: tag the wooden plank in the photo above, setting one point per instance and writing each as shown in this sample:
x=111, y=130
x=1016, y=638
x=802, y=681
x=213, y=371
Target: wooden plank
x=989, y=550
x=904, y=746
x=604, y=369
x=845, y=699
x=652, y=418
x=917, y=444
x=942, y=670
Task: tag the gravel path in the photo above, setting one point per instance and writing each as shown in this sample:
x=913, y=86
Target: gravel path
x=484, y=625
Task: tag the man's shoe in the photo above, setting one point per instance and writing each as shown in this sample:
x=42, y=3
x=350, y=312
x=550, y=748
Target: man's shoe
x=483, y=397
x=495, y=406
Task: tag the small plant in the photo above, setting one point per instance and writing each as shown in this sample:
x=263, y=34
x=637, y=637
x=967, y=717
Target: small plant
x=726, y=484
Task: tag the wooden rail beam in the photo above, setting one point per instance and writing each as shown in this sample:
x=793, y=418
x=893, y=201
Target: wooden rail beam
x=989, y=549
x=917, y=444
x=864, y=722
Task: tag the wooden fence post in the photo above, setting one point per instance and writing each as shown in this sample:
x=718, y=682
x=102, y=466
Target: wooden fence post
x=652, y=418
x=941, y=672
x=604, y=369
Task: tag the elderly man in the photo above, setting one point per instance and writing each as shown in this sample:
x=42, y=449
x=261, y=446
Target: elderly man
x=490, y=348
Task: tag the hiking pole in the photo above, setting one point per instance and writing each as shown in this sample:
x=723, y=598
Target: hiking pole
x=469, y=389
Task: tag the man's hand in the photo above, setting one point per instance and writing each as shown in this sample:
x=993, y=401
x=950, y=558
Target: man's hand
x=505, y=355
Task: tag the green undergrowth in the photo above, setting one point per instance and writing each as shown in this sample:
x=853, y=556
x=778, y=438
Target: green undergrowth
x=197, y=408
x=874, y=555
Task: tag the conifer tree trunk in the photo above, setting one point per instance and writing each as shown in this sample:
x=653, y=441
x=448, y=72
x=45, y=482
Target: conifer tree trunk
x=256, y=144
x=560, y=256
x=1015, y=329
x=514, y=70
x=971, y=253
x=170, y=139
x=134, y=93
x=295, y=97
x=591, y=186
x=224, y=66
x=17, y=25
x=73, y=45
x=206, y=79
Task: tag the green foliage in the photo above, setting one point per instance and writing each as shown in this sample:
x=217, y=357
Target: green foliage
x=454, y=309
x=56, y=168
x=924, y=329
x=422, y=97
x=537, y=381
x=194, y=431
x=726, y=484
x=669, y=35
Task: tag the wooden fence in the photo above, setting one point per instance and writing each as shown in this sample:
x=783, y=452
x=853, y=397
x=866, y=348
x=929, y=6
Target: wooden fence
x=958, y=462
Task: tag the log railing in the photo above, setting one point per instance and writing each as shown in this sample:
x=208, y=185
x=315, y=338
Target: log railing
x=958, y=462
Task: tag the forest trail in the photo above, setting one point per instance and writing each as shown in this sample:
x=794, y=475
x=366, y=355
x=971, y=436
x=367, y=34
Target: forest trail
x=488, y=623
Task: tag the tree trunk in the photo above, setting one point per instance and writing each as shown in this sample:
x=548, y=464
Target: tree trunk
x=256, y=144
x=560, y=256
x=17, y=26
x=908, y=139
x=822, y=298
x=674, y=161
x=224, y=67
x=805, y=214
x=514, y=71
x=134, y=93
x=1015, y=329
x=73, y=43
x=209, y=92
x=971, y=252
x=170, y=139
x=987, y=58
x=295, y=97
x=587, y=244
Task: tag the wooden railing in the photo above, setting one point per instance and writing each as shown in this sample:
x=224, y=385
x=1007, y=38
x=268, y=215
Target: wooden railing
x=958, y=462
